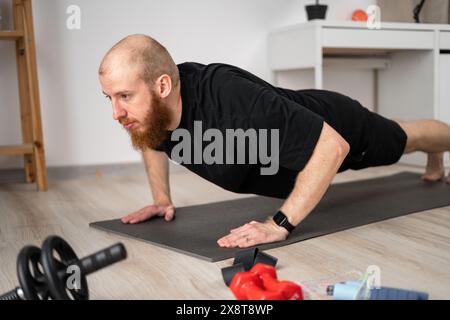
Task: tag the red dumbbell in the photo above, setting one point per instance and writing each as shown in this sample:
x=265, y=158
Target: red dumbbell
x=248, y=286
x=260, y=283
x=268, y=275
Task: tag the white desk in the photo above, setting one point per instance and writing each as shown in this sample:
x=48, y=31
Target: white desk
x=410, y=61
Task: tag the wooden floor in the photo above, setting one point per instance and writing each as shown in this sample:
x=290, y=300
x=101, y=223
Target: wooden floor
x=412, y=252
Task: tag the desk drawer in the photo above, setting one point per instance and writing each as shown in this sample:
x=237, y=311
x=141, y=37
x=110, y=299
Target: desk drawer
x=444, y=40
x=377, y=39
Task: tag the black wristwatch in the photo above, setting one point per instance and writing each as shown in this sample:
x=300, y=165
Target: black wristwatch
x=280, y=219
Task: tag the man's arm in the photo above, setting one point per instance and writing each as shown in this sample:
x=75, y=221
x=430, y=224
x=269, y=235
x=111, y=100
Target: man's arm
x=310, y=186
x=313, y=181
x=157, y=168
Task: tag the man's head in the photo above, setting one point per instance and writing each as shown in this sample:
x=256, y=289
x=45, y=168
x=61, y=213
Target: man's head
x=139, y=76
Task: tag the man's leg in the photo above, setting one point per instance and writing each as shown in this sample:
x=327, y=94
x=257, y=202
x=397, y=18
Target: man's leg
x=432, y=137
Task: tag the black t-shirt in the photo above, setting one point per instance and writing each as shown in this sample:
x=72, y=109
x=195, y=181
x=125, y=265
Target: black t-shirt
x=224, y=97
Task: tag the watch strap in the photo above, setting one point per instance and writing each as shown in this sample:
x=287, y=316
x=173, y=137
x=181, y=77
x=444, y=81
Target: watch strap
x=280, y=219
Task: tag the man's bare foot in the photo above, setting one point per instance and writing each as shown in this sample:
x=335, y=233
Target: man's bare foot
x=435, y=168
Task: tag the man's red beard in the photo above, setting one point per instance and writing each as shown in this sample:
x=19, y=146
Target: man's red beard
x=155, y=126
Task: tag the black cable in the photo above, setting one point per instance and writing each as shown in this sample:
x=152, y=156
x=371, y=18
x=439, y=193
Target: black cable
x=417, y=10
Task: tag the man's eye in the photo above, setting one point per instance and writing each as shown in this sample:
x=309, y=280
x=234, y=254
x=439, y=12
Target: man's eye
x=125, y=96
x=107, y=97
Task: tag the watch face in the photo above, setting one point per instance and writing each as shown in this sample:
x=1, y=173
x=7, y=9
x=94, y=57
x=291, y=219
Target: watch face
x=281, y=220
x=280, y=217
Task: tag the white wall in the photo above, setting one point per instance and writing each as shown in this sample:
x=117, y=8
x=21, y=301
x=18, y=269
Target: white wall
x=78, y=127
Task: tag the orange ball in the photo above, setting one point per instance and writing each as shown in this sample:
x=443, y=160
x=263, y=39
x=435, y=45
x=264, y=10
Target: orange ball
x=359, y=15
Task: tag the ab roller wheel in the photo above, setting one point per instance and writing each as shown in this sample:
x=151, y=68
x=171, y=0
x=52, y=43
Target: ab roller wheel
x=55, y=272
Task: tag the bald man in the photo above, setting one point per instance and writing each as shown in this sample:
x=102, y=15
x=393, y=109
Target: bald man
x=321, y=133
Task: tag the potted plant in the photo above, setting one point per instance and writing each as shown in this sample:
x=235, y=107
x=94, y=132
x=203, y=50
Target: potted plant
x=316, y=11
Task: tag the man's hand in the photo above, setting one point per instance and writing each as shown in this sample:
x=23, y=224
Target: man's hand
x=166, y=211
x=252, y=234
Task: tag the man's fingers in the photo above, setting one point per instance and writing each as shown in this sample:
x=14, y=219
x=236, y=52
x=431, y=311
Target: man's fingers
x=246, y=242
x=225, y=241
x=239, y=238
x=251, y=234
x=125, y=219
x=246, y=226
x=222, y=242
x=241, y=228
x=130, y=217
x=142, y=215
x=169, y=214
x=139, y=218
x=242, y=241
x=243, y=231
x=233, y=230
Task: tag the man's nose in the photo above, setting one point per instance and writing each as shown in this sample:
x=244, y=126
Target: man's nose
x=118, y=111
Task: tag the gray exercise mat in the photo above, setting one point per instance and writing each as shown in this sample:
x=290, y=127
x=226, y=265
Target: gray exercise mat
x=345, y=205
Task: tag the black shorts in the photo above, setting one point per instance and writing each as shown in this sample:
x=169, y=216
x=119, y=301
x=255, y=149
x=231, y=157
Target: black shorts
x=374, y=140
x=385, y=144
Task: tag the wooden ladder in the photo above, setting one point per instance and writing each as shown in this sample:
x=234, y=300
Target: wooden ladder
x=33, y=146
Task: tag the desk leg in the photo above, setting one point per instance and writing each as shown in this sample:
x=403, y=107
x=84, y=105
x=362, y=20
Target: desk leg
x=375, y=91
x=318, y=77
x=407, y=91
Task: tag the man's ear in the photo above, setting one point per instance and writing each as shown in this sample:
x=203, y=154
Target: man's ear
x=163, y=85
